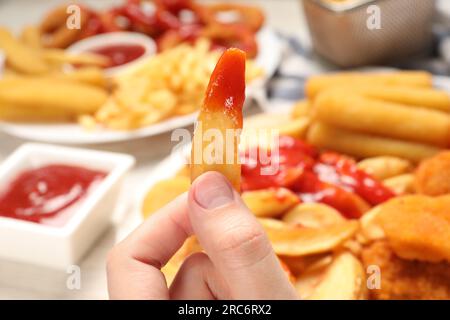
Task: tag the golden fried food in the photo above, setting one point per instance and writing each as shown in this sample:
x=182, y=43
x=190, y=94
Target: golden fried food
x=388, y=119
x=271, y=202
x=417, y=227
x=344, y=279
x=405, y=78
x=20, y=57
x=433, y=175
x=363, y=145
x=408, y=95
x=216, y=137
x=58, y=56
x=31, y=37
x=74, y=98
x=301, y=108
x=406, y=279
x=299, y=241
x=384, y=167
x=313, y=215
x=401, y=184
x=163, y=192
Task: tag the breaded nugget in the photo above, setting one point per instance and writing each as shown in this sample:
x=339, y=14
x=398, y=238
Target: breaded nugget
x=433, y=175
x=417, y=227
x=404, y=279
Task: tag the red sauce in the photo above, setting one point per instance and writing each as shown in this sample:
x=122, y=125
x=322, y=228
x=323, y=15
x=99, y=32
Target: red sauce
x=328, y=178
x=120, y=54
x=41, y=195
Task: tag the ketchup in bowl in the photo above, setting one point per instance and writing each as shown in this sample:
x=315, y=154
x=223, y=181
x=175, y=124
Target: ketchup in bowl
x=120, y=54
x=46, y=194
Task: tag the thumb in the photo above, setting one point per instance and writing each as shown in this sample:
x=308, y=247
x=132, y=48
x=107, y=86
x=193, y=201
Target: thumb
x=235, y=242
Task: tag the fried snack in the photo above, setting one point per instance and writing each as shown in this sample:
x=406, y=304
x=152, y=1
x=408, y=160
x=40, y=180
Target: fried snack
x=408, y=95
x=299, y=241
x=73, y=98
x=249, y=16
x=171, y=268
x=14, y=114
x=313, y=215
x=405, y=78
x=362, y=145
x=370, y=228
x=271, y=202
x=88, y=75
x=401, y=184
x=366, y=115
x=310, y=278
x=169, y=84
x=296, y=128
x=404, y=279
x=31, y=37
x=58, y=56
x=221, y=114
x=344, y=279
x=433, y=175
x=384, y=167
x=417, y=227
x=20, y=57
x=163, y=192
x=301, y=108
x=302, y=265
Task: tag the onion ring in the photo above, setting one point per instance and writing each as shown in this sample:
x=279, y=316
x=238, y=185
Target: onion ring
x=249, y=16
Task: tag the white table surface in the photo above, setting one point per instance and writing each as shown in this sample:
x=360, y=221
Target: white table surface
x=23, y=281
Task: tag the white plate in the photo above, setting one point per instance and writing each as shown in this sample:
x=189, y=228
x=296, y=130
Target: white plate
x=268, y=58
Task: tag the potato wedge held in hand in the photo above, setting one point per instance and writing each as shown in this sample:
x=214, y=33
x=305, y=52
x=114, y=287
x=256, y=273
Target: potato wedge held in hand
x=216, y=137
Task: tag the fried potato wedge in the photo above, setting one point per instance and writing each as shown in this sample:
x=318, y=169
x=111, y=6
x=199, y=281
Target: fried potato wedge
x=300, y=241
x=402, y=184
x=20, y=57
x=384, y=167
x=271, y=202
x=313, y=215
x=417, y=227
x=344, y=280
x=163, y=192
x=220, y=119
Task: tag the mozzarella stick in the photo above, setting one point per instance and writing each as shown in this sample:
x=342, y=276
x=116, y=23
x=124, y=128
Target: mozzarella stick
x=52, y=94
x=412, y=96
x=216, y=137
x=405, y=78
x=367, y=115
x=363, y=146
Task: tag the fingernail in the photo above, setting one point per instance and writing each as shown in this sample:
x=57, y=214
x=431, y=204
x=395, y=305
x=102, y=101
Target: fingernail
x=213, y=191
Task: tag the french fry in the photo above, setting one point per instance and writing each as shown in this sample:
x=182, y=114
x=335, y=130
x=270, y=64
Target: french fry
x=295, y=127
x=370, y=228
x=73, y=97
x=88, y=75
x=405, y=78
x=221, y=113
x=311, y=277
x=412, y=96
x=60, y=56
x=20, y=57
x=344, y=280
x=271, y=202
x=354, y=112
x=362, y=145
x=299, y=241
x=313, y=215
x=384, y=167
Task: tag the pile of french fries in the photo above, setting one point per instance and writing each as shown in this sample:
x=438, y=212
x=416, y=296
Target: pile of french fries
x=170, y=84
x=370, y=114
x=35, y=87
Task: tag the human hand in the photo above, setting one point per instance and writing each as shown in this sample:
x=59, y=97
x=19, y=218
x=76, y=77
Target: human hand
x=238, y=262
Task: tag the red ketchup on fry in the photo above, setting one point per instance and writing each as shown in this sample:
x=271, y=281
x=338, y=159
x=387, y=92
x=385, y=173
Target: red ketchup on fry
x=45, y=195
x=327, y=177
x=120, y=54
